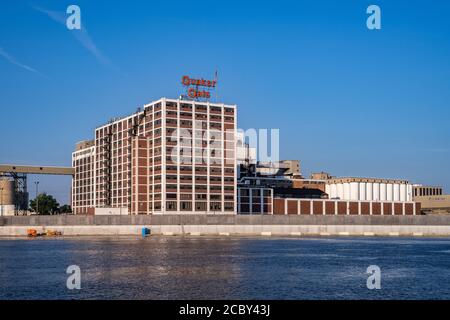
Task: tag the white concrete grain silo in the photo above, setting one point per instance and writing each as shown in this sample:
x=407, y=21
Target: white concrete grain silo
x=369, y=189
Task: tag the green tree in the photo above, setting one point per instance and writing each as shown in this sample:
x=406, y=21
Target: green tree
x=44, y=204
x=65, y=209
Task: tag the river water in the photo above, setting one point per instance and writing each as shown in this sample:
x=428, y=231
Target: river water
x=224, y=268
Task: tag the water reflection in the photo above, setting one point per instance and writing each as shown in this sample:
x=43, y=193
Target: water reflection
x=224, y=268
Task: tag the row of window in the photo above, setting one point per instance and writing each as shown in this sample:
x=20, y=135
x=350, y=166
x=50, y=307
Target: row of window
x=199, y=206
x=212, y=117
x=186, y=179
x=188, y=107
x=254, y=192
x=199, y=196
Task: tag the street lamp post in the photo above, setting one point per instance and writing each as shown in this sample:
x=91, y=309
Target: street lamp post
x=37, y=199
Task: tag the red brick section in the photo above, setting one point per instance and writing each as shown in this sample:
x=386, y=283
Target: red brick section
x=278, y=206
x=292, y=207
x=409, y=209
x=305, y=207
x=376, y=208
x=342, y=207
x=398, y=209
x=387, y=209
x=418, y=208
x=139, y=179
x=365, y=208
x=353, y=206
x=329, y=207
x=318, y=207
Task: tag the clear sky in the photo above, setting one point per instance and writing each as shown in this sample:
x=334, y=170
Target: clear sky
x=347, y=100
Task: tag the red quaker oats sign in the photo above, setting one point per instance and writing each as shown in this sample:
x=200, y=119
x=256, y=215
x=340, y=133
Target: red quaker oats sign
x=198, y=88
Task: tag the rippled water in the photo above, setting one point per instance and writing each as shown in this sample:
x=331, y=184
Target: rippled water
x=224, y=268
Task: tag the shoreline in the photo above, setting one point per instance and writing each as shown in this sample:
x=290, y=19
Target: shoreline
x=226, y=225
x=236, y=230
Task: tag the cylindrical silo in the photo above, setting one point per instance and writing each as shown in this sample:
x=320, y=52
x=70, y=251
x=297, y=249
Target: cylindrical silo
x=333, y=191
x=354, y=191
x=383, y=192
x=389, y=191
x=340, y=190
x=362, y=191
x=6, y=192
x=396, y=192
x=369, y=191
x=403, y=192
x=346, y=190
x=376, y=191
x=409, y=192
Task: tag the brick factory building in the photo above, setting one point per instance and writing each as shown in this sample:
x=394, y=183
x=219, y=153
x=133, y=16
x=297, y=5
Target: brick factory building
x=173, y=156
x=183, y=156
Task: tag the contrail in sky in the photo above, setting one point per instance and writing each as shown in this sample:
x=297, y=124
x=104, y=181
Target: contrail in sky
x=81, y=35
x=14, y=61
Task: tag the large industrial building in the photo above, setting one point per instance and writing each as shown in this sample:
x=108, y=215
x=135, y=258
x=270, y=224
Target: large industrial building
x=173, y=156
x=187, y=156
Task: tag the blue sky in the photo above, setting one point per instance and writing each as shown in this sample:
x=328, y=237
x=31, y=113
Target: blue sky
x=346, y=99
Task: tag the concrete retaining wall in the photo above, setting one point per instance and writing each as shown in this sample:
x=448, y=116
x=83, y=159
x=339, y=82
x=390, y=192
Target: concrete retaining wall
x=223, y=225
x=190, y=219
x=241, y=230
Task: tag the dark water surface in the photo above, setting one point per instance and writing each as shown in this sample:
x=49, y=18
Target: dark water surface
x=224, y=268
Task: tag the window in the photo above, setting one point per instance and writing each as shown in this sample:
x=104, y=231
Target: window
x=186, y=197
x=171, y=205
x=186, y=122
x=245, y=192
x=186, y=206
x=200, y=188
x=215, y=206
x=216, y=170
x=185, y=106
x=200, y=206
x=202, y=169
x=229, y=206
x=171, y=104
x=201, y=108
